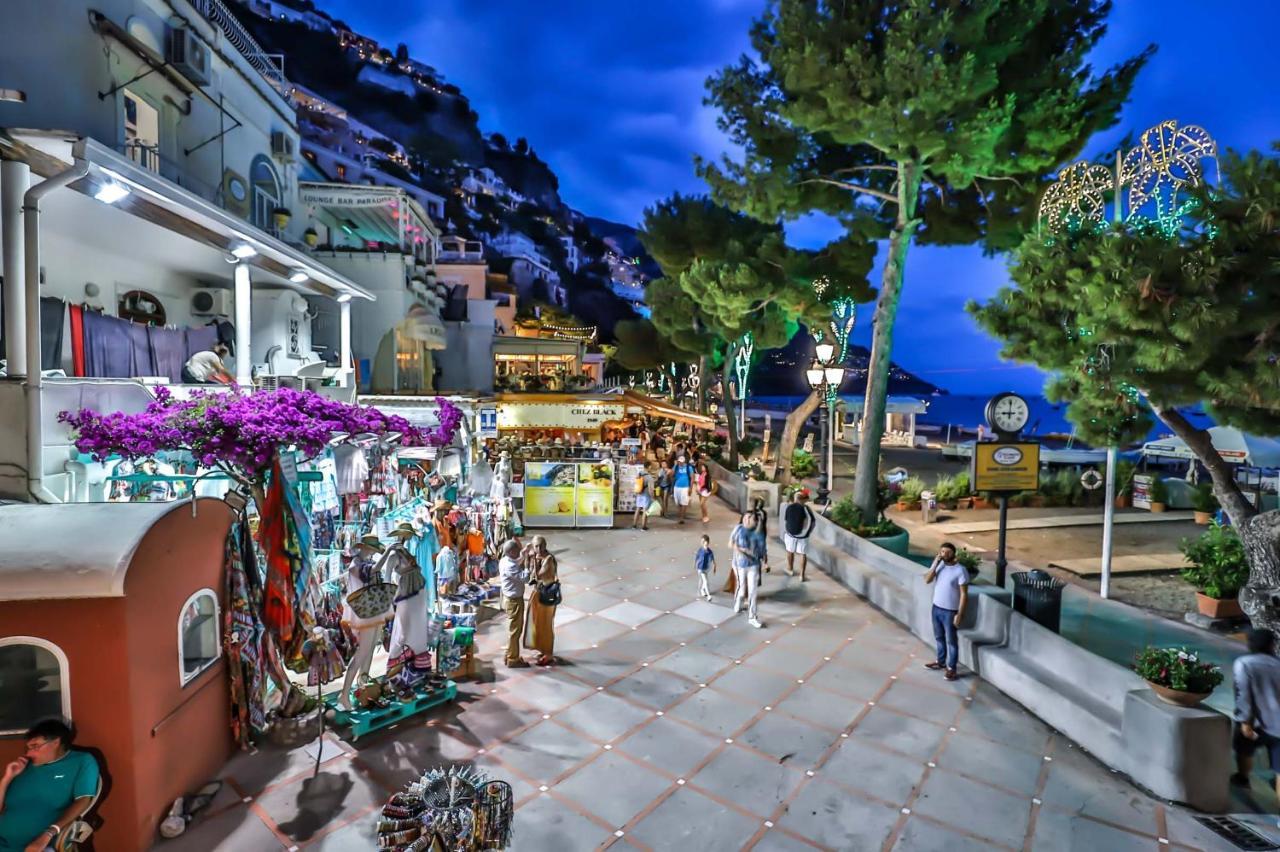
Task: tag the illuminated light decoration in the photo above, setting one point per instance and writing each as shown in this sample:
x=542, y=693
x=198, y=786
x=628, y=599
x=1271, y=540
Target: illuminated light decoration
x=844, y=316
x=1078, y=196
x=742, y=351
x=1166, y=159
x=821, y=284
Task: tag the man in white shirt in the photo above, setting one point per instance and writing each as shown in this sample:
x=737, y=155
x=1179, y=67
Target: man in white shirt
x=949, y=599
x=206, y=368
x=511, y=578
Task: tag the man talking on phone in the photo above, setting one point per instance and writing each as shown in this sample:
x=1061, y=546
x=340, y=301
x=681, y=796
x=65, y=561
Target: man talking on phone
x=949, y=599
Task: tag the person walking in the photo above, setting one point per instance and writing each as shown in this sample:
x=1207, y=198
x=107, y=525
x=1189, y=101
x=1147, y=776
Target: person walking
x=664, y=486
x=1257, y=717
x=512, y=576
x=682, y=486
x=644, y=496
x=704, y=561
x=949, y=599
x=762, y=525
x=798, y=522
x=539, y=632
x=749, y=553
x=703, y=482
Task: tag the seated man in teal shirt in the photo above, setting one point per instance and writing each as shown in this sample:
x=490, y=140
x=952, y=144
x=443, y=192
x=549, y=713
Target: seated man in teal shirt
x=45, y=791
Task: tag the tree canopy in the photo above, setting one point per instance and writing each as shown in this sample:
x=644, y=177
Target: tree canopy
x=934, y=120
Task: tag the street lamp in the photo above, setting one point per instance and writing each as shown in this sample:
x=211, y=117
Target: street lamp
x=825, y=376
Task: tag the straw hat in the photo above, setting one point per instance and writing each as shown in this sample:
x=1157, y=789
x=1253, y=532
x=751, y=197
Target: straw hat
x=405, y=530
x=371, y=541
x=442, y=505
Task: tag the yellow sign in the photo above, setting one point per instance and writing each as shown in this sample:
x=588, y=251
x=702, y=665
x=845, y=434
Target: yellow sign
x=1005, y=467
x=587, y=416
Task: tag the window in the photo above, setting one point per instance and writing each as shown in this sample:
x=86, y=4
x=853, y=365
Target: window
x=141, y=131
x=141, y=306
x=33, y=683
x=198, y=646
x=266, y=192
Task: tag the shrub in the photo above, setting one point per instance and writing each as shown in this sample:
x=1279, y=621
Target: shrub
x=1203, y=499
x=968, y=559
x=1176, y=668
x=1218, y=565
x=1125, y=470
x=910, y=489
x=747, y=447
x=950, y=488
x=1159, y=491
x=846, y=514
x=803, y=465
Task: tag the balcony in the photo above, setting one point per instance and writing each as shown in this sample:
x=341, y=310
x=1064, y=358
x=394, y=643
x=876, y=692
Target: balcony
x=461, y=251
x=269, y=65
x=147, y=154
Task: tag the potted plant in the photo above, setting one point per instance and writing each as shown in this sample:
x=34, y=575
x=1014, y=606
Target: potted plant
x=1124, y=483
x=1159, y=495
x=1176, y=675
x=281, y=216
x=310, y=237
x=909, y=493
x=1218, y=570
x=969, y=560
x=1204, y=503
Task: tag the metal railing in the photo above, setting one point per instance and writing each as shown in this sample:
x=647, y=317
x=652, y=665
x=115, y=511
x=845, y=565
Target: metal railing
x=269, y=65
x=147, y=155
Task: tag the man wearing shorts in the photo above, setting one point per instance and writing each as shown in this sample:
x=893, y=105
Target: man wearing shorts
x=1257, y=687
x=682, y=485
x=797, y=525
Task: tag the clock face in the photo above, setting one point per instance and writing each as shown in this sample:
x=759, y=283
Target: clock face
x=1008, y=413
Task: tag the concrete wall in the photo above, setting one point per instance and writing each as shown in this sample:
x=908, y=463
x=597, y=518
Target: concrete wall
x=1177, y=753
x=466, y=364
x=384, y=276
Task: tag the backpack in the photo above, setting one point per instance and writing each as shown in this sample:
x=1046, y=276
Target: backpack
x=796, y=519
x=640, y=484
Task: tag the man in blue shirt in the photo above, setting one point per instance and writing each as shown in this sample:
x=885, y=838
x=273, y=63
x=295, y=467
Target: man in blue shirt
x=46, y=790
x=1256, y=676
x=748, y=546
x=682, y=485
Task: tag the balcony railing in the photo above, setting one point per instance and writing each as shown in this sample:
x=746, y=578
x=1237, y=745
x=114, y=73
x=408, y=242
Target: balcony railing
x=269, y=65
x=147, y=154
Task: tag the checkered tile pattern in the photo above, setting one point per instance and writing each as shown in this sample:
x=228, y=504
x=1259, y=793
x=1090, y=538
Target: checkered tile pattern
x=671, y=724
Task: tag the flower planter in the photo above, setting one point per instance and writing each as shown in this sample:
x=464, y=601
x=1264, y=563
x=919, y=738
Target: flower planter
x=1157, y=508
x=1203, y=518
x=1177, y=696
x=982, y=503
x=1122, y=501
x=903, y=506
x=310, y=237
x=281, y=220
x=899, y=543
x=1218, y=607
x=1036, y=501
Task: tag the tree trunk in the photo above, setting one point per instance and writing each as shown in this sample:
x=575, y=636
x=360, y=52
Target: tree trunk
x=791, y=434
x=866, y=483
x=729, y=408
x=702, y=384
x=1259, y=531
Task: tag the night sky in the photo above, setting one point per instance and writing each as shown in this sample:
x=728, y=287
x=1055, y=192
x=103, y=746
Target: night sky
x=610, y=95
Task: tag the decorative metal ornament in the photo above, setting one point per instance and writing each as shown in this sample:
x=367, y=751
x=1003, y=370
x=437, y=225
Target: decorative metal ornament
x=1166, y=159
x=694, y=380
x=844, y=315
x=742, y=361
x=1078, y=196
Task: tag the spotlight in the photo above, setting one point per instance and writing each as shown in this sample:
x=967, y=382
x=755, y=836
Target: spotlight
x=243, y=251
x=298, y=276
x=110, y=192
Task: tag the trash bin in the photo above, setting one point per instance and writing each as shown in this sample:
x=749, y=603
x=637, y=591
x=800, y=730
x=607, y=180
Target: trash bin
x=1038, y=596
x=928, y=507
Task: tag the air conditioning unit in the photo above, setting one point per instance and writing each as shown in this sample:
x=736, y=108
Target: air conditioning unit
x=281, y=145
x=208, y=302
x=187, y=54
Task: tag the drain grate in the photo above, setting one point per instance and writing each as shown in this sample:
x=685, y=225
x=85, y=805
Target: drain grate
x=1241, y=835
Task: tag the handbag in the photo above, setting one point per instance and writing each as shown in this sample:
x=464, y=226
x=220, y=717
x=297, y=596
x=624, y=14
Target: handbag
x=549, y=593
x=655, y=509
x=372, y=600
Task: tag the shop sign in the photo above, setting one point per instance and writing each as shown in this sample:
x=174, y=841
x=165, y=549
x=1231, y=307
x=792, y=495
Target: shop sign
x=488, y=423
x=630, y=442
x=556, y=415
x=1142, y=491
x=344, y=197
x=1005, y=467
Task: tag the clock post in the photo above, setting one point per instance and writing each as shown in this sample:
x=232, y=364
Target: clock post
x=1007, y=466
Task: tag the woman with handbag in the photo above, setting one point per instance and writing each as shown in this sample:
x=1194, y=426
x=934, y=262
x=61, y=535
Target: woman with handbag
x=539, y=627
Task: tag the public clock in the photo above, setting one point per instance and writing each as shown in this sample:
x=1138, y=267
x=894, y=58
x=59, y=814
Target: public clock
x=1007, y=413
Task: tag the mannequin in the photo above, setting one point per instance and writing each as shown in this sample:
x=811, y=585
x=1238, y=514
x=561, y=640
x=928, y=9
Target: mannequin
x=410, y=633
x=363, y=572
x=501, y=486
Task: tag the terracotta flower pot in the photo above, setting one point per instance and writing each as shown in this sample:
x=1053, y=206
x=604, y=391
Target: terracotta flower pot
x=903, y=505
x=1157, y=508
x=982, y=503
x=1203, y=518
x=1122, y=501
x=1177, y=696
x=1036, y=501
x=1218, y=607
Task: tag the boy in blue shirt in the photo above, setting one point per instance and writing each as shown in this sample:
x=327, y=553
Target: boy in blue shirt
x=704, y=560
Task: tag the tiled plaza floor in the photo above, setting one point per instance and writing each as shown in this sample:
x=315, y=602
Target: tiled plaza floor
x=673, y=725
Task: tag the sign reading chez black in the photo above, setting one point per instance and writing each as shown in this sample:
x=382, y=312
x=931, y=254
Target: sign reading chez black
x=553, y=415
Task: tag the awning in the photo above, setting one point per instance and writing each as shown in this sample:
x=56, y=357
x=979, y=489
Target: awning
x=1233, y=445
x=893, y=405
x=662, y=408
x=383, y=214
x=158, y=200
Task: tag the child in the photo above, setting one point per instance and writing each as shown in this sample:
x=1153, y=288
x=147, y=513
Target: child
x=704, y=560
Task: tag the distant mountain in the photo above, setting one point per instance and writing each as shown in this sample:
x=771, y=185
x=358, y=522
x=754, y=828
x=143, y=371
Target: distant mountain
x=628, y=239
x=781, y=373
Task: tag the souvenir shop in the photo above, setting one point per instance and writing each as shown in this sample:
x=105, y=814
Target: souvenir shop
x=567, y=453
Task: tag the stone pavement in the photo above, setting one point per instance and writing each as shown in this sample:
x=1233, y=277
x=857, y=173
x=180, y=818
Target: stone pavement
x=673, y=725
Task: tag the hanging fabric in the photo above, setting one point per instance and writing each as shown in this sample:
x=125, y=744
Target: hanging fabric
x=75, y=315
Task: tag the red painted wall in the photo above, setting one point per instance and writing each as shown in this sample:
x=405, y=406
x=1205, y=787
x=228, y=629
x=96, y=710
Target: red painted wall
x=159, y=739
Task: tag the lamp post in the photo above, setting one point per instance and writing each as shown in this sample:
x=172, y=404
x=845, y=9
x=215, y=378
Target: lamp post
x=826, y=374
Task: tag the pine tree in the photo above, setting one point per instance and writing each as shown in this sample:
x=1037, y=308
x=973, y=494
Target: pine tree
x=1166, y=314
x=915, y=120
x=726, y=275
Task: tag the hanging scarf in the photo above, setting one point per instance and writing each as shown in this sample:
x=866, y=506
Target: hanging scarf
x=243, y=634
x=273, y=536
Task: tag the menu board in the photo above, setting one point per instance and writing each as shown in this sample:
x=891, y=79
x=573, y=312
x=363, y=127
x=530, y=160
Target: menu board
x=595, y=494
x=550, y=490
x=627, y=475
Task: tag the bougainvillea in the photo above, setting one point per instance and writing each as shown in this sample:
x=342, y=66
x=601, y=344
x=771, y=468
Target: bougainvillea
x=241, y=432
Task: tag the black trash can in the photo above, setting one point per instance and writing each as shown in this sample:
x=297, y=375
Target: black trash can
x=1038, y=596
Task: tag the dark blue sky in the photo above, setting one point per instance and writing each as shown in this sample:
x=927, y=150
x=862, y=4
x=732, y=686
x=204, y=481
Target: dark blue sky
x=610, y=94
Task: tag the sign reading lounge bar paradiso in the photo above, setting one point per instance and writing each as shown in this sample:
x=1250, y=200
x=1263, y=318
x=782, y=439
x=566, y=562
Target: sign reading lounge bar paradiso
x=557, y=415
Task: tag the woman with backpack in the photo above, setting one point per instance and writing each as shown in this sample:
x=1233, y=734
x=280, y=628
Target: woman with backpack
x=664, y=485
x=644, y=496
x=539, y=626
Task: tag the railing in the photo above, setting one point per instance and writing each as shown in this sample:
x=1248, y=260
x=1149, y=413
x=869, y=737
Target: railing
x=269, y=65
x=147, y=155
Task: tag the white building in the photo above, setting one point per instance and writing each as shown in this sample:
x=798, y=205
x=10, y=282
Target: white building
x=158, y=192
x=362, y=168
x=280, y=12
x=572, y=257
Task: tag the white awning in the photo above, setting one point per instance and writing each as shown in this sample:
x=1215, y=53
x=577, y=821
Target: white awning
x=1233, y=445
